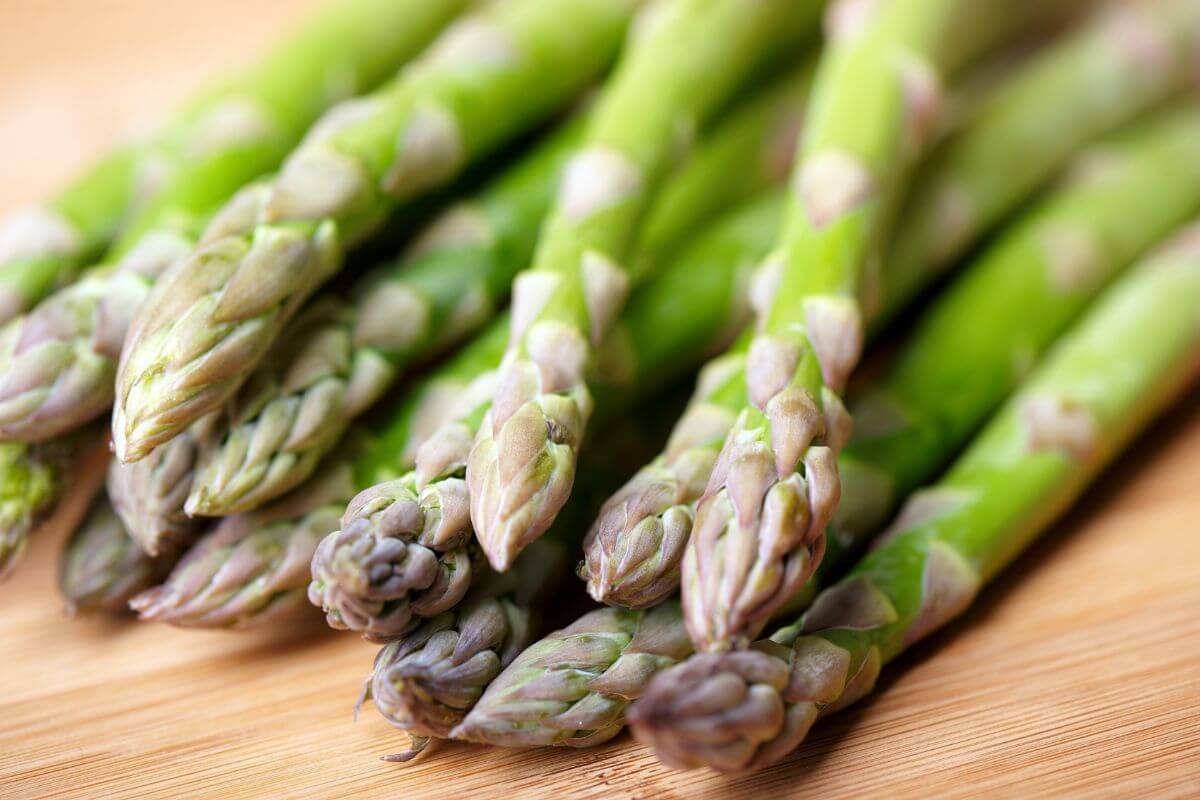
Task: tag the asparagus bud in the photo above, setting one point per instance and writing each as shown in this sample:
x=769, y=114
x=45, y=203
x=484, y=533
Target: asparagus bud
x=102, y=566
x=572, y=687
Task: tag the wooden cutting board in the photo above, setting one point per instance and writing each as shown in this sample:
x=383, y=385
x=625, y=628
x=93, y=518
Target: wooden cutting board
x=1078, y=674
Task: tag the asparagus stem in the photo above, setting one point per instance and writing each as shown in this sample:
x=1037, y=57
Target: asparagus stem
x=685, y=63
x=759, y=530
x=102, y=567
x=59, y=362
x=1100, y=386
x=572, y=688
x=366, y=574
x=748, y=150
x=28, y=489
x=489, y=78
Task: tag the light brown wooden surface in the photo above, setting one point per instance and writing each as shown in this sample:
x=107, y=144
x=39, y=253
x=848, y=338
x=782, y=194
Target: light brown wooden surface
x=1078, y=674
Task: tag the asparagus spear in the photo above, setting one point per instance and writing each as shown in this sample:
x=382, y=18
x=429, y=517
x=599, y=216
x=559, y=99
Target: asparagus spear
x=684, y=64
x=426, y=682
x=460, y=270
x=59, y=362
x=365, y=574
x=1102, y=385
x=42, y=246
x=635, y=548
x=102, y=567
x=572, y=687
x=759, y=530
x=490, y=77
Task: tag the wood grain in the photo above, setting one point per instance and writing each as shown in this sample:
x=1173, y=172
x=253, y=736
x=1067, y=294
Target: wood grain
x=1076, y=675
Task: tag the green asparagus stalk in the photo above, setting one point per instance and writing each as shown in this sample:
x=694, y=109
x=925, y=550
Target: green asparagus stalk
x=746, y=152
x=1103, y=384
x=426, y=682
x=634, y=553
x=367, y=575
x=102, y=567
x=572, y=688
x=759, y=530
x=58, y=363
x=684, y=64
x=41, y=247
x=34, y=478
x=283, y=422
x=489, y=78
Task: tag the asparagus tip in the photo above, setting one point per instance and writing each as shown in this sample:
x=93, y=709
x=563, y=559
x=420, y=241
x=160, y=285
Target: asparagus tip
x=721, y=710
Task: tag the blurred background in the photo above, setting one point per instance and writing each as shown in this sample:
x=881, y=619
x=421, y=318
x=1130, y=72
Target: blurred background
x=77, y=76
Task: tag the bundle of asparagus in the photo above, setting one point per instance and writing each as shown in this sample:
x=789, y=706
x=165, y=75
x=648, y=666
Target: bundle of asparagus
x=654, y=184
x=1108, y=378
